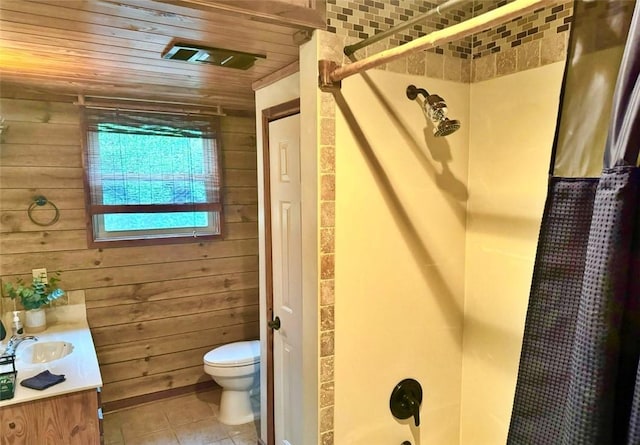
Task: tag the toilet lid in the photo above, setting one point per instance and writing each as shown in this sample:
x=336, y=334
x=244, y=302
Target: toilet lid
x=234, y=354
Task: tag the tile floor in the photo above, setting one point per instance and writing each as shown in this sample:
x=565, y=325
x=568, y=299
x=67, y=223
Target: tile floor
x=186, y=420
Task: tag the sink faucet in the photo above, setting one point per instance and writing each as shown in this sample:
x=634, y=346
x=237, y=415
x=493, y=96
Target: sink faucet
x=15, y=341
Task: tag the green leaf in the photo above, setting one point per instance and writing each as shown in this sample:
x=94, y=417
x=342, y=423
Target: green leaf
x=35, y=295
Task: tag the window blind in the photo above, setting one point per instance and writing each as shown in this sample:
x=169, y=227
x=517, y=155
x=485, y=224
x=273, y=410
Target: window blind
x=137, y=162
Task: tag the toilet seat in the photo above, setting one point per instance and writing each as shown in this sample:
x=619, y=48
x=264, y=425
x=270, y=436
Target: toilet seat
x=233, y=355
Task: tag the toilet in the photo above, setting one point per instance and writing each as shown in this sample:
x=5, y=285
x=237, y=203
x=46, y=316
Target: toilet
x=236, y=368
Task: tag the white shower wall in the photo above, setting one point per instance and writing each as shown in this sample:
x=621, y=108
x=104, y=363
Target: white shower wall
x=435, y=241
x=399, y=277
x=513, y=120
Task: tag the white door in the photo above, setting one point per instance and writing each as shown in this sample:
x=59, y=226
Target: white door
x=284, y=163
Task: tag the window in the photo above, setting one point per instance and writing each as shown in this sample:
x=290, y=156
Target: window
x=151, y=178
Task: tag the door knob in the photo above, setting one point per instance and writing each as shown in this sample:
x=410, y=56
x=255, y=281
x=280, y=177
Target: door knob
x=274, y=324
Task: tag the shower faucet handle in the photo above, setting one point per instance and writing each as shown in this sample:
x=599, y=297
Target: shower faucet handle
x=405, y=400
x=414, y=407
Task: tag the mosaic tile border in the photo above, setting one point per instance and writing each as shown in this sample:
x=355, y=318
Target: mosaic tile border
x=542, y=23
x=523, y=43
x=360, y=19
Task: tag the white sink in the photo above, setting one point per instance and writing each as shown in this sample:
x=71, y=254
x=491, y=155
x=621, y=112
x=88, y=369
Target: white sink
x=43, y=352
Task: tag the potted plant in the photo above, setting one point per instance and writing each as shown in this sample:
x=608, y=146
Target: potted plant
x=33, y=297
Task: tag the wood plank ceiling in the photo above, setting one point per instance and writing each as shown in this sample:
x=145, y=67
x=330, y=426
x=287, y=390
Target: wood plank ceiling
x=112, y=48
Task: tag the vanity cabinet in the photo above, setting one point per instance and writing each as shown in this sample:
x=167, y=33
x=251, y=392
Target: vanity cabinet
x=70, y=419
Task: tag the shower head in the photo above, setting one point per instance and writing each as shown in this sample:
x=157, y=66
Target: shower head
x=436, y=110
x=446, y=127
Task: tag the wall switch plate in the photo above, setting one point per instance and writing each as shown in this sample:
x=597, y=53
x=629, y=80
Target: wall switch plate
x=41, y=274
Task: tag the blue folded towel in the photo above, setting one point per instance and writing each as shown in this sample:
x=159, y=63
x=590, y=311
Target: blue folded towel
x=42, y=381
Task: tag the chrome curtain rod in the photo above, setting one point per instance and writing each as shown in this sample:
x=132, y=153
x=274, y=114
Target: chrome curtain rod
x=440, y=9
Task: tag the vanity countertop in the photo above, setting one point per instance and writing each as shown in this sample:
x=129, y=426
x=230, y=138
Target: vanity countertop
x=80, y=367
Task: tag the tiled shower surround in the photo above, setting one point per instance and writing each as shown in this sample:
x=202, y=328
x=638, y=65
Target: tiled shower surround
x=527, y=42
x=537, y=39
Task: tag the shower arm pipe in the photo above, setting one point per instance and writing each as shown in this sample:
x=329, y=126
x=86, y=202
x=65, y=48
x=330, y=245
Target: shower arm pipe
x=440, y=9
x=331, y=74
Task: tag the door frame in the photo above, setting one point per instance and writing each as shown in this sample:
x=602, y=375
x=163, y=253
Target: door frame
x=269, y=115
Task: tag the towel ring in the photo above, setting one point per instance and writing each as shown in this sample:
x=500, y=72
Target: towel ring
x=39, y=201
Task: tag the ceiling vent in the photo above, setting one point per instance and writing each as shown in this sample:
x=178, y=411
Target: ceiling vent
x=214, y=56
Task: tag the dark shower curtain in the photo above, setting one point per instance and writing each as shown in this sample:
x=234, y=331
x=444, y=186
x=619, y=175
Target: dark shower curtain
x=579, y=376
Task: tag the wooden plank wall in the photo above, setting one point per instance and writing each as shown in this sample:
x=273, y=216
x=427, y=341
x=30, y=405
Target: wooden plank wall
x=153, y=311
